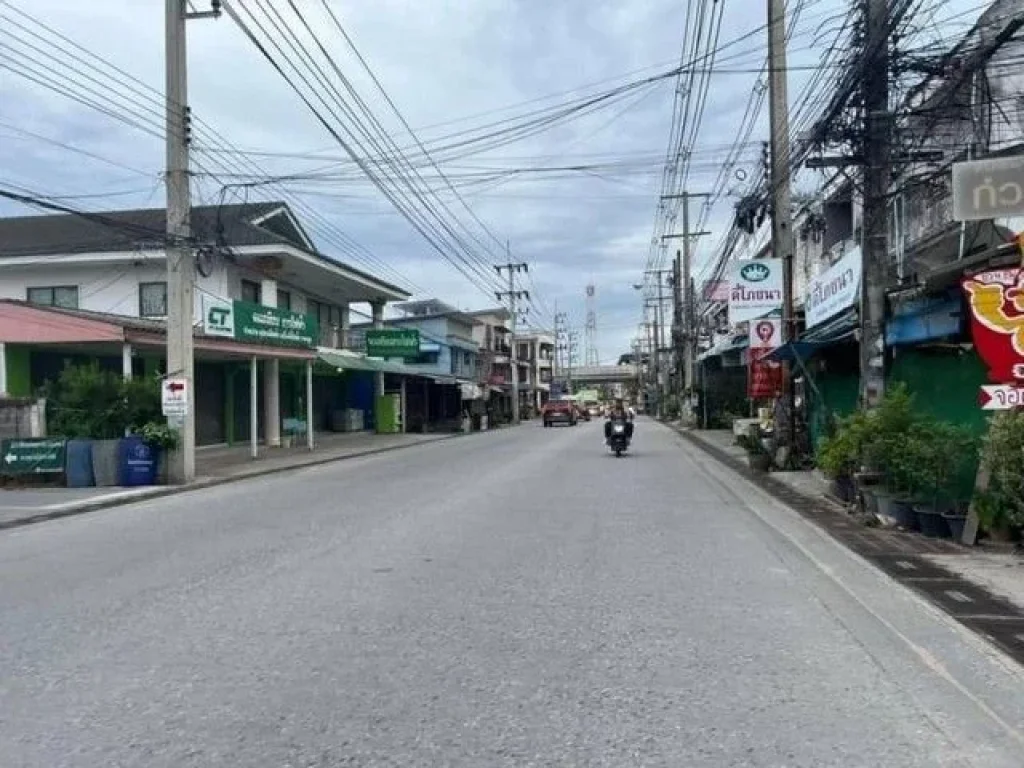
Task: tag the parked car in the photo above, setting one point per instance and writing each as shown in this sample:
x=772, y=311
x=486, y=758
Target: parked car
x=559, y=412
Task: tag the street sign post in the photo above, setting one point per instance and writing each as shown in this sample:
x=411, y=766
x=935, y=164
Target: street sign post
x=33, y=456
x=1000, y=397
x=174, y=398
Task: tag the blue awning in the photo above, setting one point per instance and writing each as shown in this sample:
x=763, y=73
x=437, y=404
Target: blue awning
x=840, y=329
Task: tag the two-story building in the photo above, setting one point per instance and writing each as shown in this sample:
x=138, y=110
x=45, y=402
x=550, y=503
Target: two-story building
x=535, y=353
x=493, y=337
x=92, y=275
x=447, y=360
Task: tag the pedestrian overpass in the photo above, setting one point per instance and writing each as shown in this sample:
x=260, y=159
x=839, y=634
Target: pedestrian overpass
x=588, y=375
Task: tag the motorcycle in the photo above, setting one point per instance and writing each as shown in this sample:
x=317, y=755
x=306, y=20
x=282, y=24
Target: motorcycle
x=618, y=442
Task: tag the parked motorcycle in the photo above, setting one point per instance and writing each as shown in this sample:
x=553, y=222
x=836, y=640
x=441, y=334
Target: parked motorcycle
x=618, y=442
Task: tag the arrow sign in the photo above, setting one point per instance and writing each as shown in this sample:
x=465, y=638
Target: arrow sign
x=1000, y=397
x=10, y=458
x=176, y=386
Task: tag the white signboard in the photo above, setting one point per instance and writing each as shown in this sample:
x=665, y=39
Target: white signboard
x=988, y=189
x=218, y=317
x=755, y=289
x=1000, y=397
x=834, y=290
x=766, y=333
x=174, y=397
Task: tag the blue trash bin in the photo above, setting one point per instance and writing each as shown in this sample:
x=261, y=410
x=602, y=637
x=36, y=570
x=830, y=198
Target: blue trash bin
x=137, y=462
x=78, y=464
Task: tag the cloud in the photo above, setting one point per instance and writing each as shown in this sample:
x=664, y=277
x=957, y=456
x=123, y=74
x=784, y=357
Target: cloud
x=440, y=62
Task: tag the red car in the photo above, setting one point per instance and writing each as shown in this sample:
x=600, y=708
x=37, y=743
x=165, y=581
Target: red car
x=559, y=412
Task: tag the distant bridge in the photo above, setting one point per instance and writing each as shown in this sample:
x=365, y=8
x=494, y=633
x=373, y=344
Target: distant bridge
x=601, y=374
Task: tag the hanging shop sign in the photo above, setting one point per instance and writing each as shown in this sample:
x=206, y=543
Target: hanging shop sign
x=764, y=377
x=836, y=289
x=996, y=302
x=755, y=289
x=988, y=189
x=393, y=342
x=766, y=333
x=255, y=323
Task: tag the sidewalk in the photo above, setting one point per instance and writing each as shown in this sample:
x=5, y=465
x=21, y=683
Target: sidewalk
x=215, y=465
x=982, y=587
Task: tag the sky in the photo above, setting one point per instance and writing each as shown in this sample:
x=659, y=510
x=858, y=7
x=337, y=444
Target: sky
x=576, y=200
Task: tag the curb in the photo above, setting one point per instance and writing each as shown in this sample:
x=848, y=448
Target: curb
x=160, y=492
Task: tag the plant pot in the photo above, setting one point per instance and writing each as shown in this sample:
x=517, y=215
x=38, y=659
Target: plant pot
x=870, y=500
x=932, y=523
x=956, y=523
x=843, y=488
x=884, y=510
x=904, y=514
x=759, y=462
x=105, y=462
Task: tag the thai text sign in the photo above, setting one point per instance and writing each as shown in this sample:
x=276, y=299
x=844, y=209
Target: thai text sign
x=988, y=189
x=764, y=377
x=1000, y=397
x=996, y=301
x=269, y=325
x=755, y=289
x=246, y=321
x=834, y=290
x=33, y=456
x=393, y=342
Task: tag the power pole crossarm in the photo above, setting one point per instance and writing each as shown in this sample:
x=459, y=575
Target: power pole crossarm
x=513, y=268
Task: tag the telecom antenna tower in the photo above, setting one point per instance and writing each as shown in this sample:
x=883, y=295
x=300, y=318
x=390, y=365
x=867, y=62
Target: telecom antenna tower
x=590, y=329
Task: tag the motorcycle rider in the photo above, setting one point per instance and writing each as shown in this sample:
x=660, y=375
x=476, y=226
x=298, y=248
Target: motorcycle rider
x=618, y=413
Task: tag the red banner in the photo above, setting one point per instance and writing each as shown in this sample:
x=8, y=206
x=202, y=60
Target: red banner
x=996, y=300
x=764, y=378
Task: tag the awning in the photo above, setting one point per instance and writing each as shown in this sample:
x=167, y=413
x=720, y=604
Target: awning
x=734, y=344
x=841, y=328
x=347, y=360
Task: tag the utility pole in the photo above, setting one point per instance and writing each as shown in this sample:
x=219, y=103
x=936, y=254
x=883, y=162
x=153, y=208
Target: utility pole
x=781, y=206
x=181, y=268
x=876, y=154
x=512, y=295
x=684, y=333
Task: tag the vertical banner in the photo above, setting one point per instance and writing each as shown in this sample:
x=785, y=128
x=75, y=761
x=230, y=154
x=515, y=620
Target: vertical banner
x=764, y=377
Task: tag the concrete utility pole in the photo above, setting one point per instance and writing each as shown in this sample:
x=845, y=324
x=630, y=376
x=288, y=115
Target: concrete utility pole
x=876, y=188
x=781, y=206
x=181, y=269
x=684, y=333
x=512, y=295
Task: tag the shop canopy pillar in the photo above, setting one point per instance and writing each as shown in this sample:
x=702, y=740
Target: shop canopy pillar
x=126, y=361
x=271, y=378
x=309, y=405
x=378, y=323
x=254, y=408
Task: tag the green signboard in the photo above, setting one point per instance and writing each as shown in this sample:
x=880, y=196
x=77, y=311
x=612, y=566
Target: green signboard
x=245, y=321
x=33, y=456
x=393, y=342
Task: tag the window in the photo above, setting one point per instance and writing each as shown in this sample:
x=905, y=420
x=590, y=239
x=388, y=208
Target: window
x=153, y=299
x=454, y=363
x=284, y=300
x=467, y=360
x=251, y=291
x=55, y=296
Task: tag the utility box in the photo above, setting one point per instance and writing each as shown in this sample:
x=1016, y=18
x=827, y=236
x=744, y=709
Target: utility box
x=389, y=414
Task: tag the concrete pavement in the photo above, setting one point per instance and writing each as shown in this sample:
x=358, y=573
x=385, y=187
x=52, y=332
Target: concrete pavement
x=506, y=599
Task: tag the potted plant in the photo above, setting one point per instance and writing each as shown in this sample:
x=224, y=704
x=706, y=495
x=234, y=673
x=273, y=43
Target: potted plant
x=948, y=451
x=1001, y=506
x=758, y=457
x=839, y=455
x=162, y=439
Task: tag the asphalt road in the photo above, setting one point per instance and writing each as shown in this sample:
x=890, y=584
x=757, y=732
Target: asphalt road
x=517, y=598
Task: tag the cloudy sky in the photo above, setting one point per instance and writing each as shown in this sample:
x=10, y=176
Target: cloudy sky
x=575, y=196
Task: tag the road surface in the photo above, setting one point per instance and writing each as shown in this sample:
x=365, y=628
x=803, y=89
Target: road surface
x=517, y=598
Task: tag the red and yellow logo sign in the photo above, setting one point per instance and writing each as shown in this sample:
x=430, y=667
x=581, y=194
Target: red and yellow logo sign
x=996, y=300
